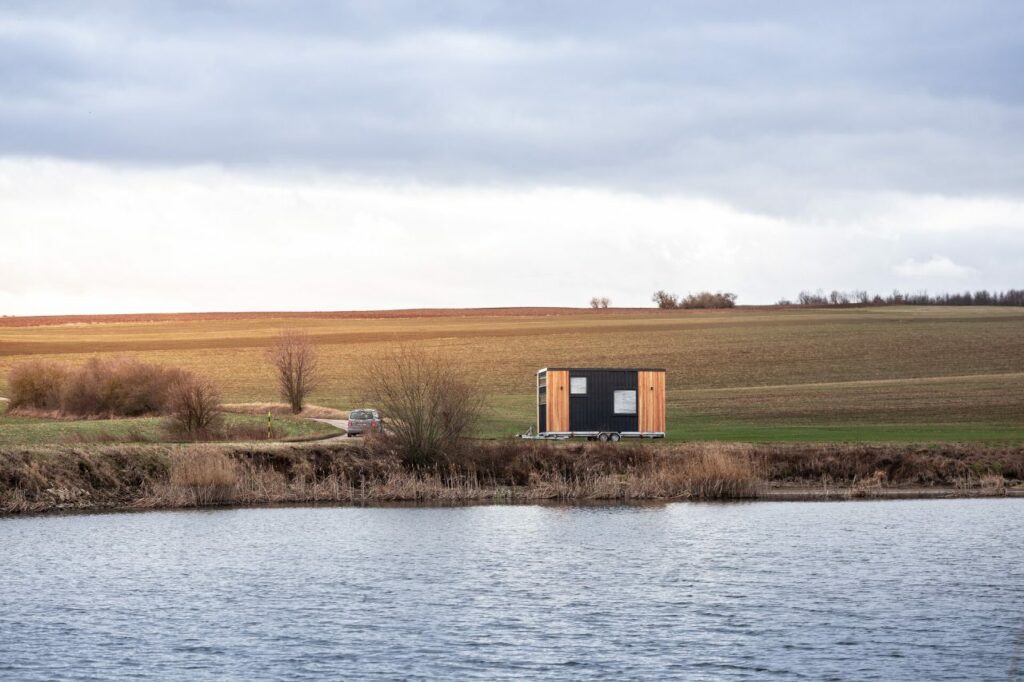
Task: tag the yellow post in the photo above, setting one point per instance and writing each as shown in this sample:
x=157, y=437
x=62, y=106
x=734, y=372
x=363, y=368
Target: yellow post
x=270, y=426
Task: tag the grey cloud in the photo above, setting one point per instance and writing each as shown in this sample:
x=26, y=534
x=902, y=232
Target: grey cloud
x=764, y=106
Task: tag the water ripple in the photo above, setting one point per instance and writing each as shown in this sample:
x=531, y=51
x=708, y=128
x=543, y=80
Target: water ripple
x=860, y=590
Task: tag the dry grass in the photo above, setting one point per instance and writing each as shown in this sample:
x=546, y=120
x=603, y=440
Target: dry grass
x=160, y=476
x=57, y=415
x=199, y=476
x=717, y=471
x=283, y=410
x=107, y=437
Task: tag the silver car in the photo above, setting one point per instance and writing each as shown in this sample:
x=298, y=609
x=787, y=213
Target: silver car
x=361, y=421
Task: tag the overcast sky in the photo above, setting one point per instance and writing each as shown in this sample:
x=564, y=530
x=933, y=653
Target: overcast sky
x=262, y=155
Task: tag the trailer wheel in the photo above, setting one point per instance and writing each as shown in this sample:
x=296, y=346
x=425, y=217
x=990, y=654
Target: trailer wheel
x=603, y=437
x=615, y=438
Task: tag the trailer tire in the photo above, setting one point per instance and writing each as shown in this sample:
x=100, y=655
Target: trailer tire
x=603, y=437
x=615, y=438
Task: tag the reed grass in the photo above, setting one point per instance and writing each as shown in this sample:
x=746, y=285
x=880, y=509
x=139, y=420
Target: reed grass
x=199, y=477
x=145, y=476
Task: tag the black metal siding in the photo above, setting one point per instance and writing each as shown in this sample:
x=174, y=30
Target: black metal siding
x=542, y=414
x=542, y=407
x=595, y=410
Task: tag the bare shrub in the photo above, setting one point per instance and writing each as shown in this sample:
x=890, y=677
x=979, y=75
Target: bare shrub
x=99, y=388
x=294, y=359
x=193, y=407
x=703, y=299
x=838, y=298
x=116, y=387
x=665, y=300
x=808, y=298
x=600, y=302
x=706, y=299
x=428, y=402
x=36, y=384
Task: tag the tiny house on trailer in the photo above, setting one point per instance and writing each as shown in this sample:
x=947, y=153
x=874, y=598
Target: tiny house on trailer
x=602, y=404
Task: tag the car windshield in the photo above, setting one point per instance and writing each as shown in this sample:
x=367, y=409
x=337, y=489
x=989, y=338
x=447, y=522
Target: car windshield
x=361, y=414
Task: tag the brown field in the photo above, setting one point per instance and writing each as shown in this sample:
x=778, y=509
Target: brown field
x=783, y=372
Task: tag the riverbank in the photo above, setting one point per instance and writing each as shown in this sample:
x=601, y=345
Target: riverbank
x=107, y=477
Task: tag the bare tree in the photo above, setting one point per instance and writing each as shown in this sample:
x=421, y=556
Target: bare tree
x=193, y=405
x=294, y=359
x=600, y=302
x=706, y=299
x=428, y=402
x=838, y=298
x=665, y=300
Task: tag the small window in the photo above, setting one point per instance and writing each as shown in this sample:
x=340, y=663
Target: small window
x=578, y=386
x=625, y=402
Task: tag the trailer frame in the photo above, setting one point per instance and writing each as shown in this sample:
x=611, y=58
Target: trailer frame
x=613, y=436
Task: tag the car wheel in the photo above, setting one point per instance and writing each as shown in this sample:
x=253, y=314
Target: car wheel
x=615, y=438
x=603, y=437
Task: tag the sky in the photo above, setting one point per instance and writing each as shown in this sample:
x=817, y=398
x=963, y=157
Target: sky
x=176, y=156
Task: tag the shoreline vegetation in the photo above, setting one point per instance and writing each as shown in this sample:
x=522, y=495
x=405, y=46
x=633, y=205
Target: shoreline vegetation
x=67, y=478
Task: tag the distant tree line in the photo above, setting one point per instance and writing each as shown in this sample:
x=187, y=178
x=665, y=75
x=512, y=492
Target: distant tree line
x=1013, y=297
x=703, y=299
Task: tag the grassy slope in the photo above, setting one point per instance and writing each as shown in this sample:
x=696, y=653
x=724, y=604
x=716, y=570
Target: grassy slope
x=34, y=431
x=895, y=373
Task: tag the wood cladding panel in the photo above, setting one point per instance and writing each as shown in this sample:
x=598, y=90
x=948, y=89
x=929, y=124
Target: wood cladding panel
x=558, y=401
x=651, y=399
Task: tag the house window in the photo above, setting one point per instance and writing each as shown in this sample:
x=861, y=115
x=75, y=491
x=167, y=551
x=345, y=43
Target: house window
x=625, y=402
x=578, y=386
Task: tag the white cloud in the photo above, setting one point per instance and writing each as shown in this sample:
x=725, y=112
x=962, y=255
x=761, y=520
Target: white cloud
x=936, y=266
x=88, y=238
x=772, y=106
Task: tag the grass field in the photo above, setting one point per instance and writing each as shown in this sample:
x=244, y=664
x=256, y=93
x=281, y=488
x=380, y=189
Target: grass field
x=36, y=431
x=748, y=374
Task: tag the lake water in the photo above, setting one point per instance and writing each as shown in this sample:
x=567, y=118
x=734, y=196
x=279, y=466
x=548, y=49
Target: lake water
x=852, y=590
